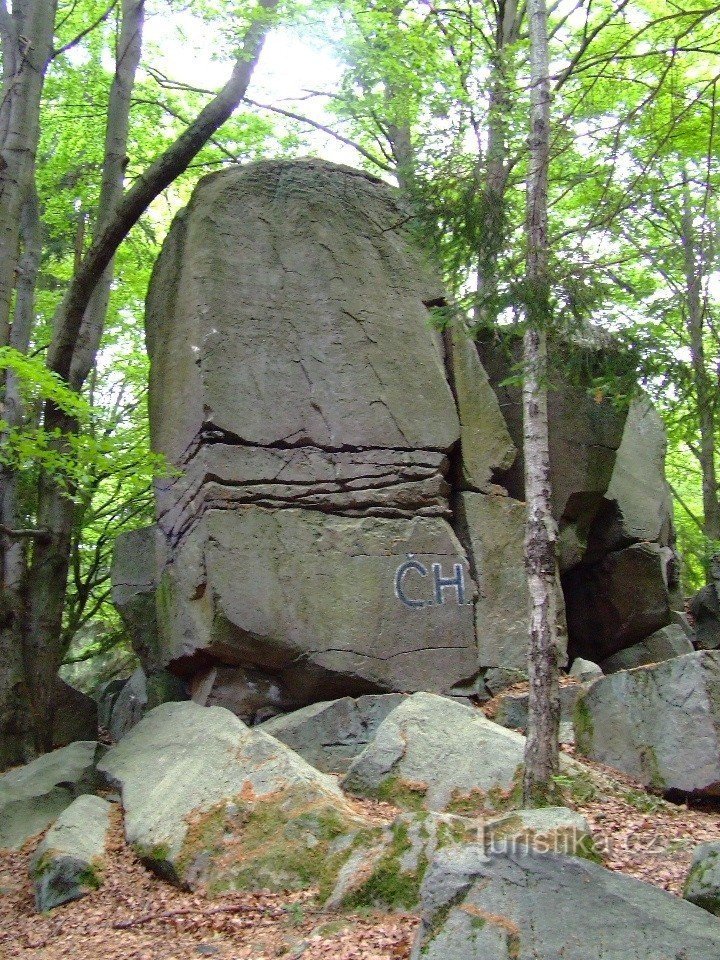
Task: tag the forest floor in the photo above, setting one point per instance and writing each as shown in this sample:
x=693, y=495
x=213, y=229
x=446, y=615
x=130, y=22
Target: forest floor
x=136, y=916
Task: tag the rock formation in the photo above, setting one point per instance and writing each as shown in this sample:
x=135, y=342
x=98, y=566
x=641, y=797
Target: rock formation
x=344, y=512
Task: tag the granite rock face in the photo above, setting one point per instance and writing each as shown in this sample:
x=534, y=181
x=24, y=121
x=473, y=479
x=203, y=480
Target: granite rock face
x=659, y=723
x=522, y=905
x=664, y=644
x=344, y=516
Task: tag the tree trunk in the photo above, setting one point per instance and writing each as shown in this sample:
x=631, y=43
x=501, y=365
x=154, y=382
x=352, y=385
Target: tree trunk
x=497, y=169
x=71, y=355
x=541, y=749
x=704, y=393
x=28, y=41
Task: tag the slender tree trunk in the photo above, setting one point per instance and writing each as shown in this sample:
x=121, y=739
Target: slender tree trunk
x=704, y=392
x=77, y=330
x=492, y=239
x=541, y=750
x=28, y=40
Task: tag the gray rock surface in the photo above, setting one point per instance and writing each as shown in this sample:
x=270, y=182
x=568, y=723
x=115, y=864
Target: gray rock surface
x=32, y=796
x=704, y=608
x=664, y=644
x=139, y=694
x=546, y=830
x=443, y=755
x=658, y=723
x=585, y=670
x=486, y=445
x=494, y=528
x=702, y=886
x=321, y=609
x=69, y=861
x=134, y=576
x=538, y=906
x=210, y=802
x=76, y=716
x=330, y=734
x=512, y=710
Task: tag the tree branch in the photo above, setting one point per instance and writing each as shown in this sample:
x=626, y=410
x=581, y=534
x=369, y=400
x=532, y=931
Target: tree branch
x=24, y=534
x=173, y=162
x=83, y=33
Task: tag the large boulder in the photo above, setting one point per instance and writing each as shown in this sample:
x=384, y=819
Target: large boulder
x=547, y=830
x=659, y=723
x=210, y=802
x=140, y=693
x=704, y=608
x=330, y=734
x=510, y=709
x=68, y=863
x=32, y=796
x=524, y=905
x=434, y=753
x=76, y=716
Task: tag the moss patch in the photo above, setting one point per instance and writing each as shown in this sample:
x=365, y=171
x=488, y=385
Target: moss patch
x=389, y=885
x=409, y=796
x=584, y=726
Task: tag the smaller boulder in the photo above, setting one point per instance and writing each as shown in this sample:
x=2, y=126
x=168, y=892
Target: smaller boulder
x=512, y=710
x=329, y=735
x=702, y=886
x=76, y=716
x=585, y=670
x=68, y=863
x=664, y=644
x=432, y=753
x=32, y=796
x=659, y=723
x=546, y=830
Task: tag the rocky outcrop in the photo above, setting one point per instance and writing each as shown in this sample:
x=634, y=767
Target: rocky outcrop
x=330, y=734
x=510, y=709
x=344, y=515
x=138, y=694
x=702, y=886
x=32, y=796
x=659, y=723
x=520, y=905
x=76, y=716
x=209, y=802
x=68, y=863
x=704, y=608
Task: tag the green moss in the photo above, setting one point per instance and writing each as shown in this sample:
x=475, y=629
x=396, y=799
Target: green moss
x=435, y=925
x=402, y=794
x=579, y=787
x=587, y=850
x=651, y=768
x=91, y=877
x=477, y=923
x=584, y=726
x=388, y=885
x=204, y=836
x=644, y=802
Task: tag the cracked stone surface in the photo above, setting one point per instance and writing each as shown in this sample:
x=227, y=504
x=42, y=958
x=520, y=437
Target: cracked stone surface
x=520, y=905
x=344, y=512
x=659, y=723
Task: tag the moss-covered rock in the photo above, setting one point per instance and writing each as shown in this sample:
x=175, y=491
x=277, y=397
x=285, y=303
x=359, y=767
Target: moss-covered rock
x=702, y=886
x=69, y=862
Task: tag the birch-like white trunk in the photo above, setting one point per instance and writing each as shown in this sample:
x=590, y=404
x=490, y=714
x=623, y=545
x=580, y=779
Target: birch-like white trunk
x=541, y=750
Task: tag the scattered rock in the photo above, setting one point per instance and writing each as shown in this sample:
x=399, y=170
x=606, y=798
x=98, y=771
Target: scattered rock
x=702, y=886
x=546, y=830
x=660, y=724
x=433, y=753
x=209, y=802
x=541, y=906
x=704, y=608
x=32, y=796
x=664, y=644
x=585, y=670
x=68, y=863
x=330, y=734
